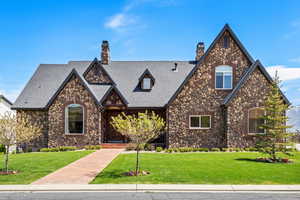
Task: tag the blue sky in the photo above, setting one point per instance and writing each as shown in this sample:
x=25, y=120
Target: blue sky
x=34, y=32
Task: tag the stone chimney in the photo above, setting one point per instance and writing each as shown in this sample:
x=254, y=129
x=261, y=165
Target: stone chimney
x=105, y=58
x=199, y=51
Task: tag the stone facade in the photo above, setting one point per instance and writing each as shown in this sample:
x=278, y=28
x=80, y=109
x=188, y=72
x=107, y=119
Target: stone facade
x=251, y=95
x=74, y=92
x=40, y=118
x=199, y=97
x=97, y=75
x=113, y=99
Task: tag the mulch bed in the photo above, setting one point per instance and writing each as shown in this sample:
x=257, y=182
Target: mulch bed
x=133, y=173
x=269, y=160
x=8, y=172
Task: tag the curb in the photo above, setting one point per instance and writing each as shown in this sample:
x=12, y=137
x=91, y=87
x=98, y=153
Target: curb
x=149, y=188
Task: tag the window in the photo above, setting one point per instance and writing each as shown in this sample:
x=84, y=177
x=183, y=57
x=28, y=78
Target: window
x=256, y=121
x=147, y=83
x=74, y=115
x=200, y=122
x=223, y=77
x=226, y=42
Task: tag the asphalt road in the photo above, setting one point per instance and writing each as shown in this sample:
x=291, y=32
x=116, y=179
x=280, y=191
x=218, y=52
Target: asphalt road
x=146, y=196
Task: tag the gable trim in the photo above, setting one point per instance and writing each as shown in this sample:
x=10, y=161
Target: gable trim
x=240, y=45
x=96, y=61
x=243, y=80
x=73, y=72
x=125, y=102
x=6, y=100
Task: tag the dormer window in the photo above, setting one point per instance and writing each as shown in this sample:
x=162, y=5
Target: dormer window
x=146, y=84
x=146, y=81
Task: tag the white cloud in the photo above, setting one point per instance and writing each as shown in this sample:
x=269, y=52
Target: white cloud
x=285, y=73
x=119, y=21
x=295, y=60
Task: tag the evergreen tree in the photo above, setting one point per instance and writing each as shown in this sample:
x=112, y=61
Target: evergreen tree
x=276, y=138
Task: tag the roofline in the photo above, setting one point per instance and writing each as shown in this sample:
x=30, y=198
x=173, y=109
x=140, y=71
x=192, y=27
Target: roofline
x=242, y=81
x=117, y=91
x=5, y=99
x=147, y=71
x=73, y=72
x=90, y=66
x=225, y=28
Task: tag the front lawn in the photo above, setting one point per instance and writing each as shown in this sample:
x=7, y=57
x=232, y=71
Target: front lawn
x=202, y=168
x=32, y=166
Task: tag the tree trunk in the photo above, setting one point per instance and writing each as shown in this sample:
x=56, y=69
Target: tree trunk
x=6, y=158
x=137, y=160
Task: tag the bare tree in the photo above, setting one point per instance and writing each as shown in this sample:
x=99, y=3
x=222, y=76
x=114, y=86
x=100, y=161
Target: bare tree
x=15, y=130
x=140, y=129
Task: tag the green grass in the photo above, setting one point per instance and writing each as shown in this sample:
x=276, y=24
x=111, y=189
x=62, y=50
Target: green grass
x=32, y=166
x=202, y=168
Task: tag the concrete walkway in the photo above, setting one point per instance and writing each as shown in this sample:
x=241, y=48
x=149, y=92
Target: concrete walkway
x=81, y=171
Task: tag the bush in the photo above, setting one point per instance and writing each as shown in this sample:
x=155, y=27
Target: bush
x=158, y=149
x=148, y=147
x=215, y=149
x=195, y=149
x=225, y=149
x=2, y=148
x=92, y=147
x=169, y=150
x=176, y=150
x=44, y=150
x=58, y=149
x=203, y=149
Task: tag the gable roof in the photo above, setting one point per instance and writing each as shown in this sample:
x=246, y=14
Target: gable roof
x=5, y=99
x=72, y=73
x=146, y=72
x=48, y=78
x=96, y=61
x=113, y=88
x=235, y=38
x=246, y=76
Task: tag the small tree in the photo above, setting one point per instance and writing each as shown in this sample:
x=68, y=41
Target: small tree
x=140, y=129
x=15, y=130
x=276, y=138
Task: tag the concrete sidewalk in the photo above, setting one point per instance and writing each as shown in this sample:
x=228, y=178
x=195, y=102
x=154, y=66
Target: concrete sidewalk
x=81, y=171
x=150, y=188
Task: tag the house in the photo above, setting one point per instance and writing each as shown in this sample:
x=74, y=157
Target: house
x=5, y=105
x=215, y=100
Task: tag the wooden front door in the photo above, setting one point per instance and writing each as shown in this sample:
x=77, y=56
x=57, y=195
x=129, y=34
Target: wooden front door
x=110, y=134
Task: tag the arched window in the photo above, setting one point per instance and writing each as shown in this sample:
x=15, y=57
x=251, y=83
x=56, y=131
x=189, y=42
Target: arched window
x=255, y=121
x=74, y=119
x=223, y=77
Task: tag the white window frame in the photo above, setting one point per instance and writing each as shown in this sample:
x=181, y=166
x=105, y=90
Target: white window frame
x=67, y=132
x=249, y=133
x=146, y=78
x=223, y=71
x=199, y=116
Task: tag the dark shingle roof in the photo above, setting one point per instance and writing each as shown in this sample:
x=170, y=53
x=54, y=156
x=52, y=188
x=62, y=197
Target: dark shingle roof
x=48, y=78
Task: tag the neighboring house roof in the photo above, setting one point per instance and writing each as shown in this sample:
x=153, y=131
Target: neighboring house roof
x=6, y=100
x=48, y=80
x=243, y=80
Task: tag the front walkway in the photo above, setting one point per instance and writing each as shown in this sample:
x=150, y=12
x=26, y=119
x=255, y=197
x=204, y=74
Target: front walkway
x=83, y=170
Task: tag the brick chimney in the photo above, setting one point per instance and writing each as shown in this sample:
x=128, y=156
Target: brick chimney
x=199, y=50
x=105, y=58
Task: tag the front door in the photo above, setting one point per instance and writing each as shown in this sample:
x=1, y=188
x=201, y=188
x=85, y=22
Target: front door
x=111, y=135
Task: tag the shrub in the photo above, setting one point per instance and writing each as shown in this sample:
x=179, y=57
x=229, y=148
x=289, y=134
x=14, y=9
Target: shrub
x=2, y=148
x=203, y=149
x=195, y=149
x=176, y=150
x=148, y=147
x=44, y=150
x=159, y=149
x=252, y=149
x=169, y=150
x=92, y=147
x=57, y=149
x=225, y=149
x=215, y=149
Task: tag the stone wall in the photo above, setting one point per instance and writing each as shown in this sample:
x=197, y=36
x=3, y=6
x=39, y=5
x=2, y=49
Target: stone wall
x=199, y=96
x=96, y=75
x=251, y=95
x=74, y=92
x=40, y=118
